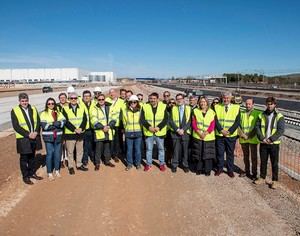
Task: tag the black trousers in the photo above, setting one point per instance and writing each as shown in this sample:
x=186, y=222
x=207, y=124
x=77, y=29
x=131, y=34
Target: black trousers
x=249, y=148
x=117, y=143
x=265, y=151
x=225, y=145
x=27, y=164
x=88, y=147
x=102, y=148
x=205, y=165
x=180, y=152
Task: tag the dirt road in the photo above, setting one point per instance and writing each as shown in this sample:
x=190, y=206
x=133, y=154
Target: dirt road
x=116, y=202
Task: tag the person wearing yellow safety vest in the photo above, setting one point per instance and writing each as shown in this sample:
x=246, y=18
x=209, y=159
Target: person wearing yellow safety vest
x=203, y=136
x=227, y=123
x=97, y=92
x=270, y=127
x=141, y=99
x=103, y=123
x=52, y=123
x=88, y=139
x=76, y=120
x=248, y=138
x=63, y=102
x=26, y=124
x=154, y=119
x=133, y=132
x=180, y=126
x=116, y=105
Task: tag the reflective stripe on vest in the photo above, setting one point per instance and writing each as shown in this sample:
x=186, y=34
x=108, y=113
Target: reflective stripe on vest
x=22, y=121
x=262, y=117
x=203, y=122
x=131, y=120
x=97, y=116
x=154, y=121
x=75, y=120
x=248, y=123
x=175, y=116
x=46, y=117
x=227, y=119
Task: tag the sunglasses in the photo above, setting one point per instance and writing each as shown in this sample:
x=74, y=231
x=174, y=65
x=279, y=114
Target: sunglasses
x=50, y=103
x=167, y=95
x=73, y=98
x=215, y=102
x=133, y=102
x=101, y=99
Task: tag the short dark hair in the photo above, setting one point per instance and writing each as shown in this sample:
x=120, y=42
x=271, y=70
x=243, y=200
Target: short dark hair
x=122, y=90
x=129, y=91
x=154, y=94
x=86, y=92
x=23, y=96
x=101, y=95
x=62, y=94
x=139, y=94
x=271, y=100
x=179, y=94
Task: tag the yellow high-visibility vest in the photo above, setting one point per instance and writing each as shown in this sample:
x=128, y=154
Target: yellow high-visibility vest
x=155, y=120
x=46, y=117
x=115, y=108
x=226, y=119
x=131, y=120
x=203, y=122
x=97, y=116
x=75, y=120
x=274, y=128
x=22, y=121
x=248, y=123
x=175, y=116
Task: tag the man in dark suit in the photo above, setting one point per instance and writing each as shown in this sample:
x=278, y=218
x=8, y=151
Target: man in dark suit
x=180, y=124
x=26, y=123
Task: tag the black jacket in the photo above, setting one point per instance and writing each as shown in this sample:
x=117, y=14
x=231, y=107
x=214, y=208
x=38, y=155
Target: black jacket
x=26, y=145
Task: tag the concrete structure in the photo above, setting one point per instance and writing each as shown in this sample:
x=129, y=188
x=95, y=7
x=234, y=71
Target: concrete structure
x=37, y=75
x=101, y=77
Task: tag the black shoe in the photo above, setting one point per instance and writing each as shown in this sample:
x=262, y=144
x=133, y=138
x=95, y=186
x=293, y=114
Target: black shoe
x=116, y=159
x=27, y=181
x=109, y=164
x=97, y=167
x=174, y=169
x=82, y=168
x=186, y=170
x=34, y=176
x=207, y=173
x=71, y=171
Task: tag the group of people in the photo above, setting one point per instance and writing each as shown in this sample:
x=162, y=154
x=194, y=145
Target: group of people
x=193, y=133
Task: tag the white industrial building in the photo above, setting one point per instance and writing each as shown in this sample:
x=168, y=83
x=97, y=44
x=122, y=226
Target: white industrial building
x=101, y=77
x=33, y=75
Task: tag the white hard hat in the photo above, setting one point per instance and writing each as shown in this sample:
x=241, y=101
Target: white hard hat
x=97, y=89
x=70, y=89
x=133, y=98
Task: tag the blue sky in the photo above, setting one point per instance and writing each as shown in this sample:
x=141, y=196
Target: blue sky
x=152, y=38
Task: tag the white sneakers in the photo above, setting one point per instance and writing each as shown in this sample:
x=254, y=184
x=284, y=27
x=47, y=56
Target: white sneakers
x=57, y=174
x=51, y=177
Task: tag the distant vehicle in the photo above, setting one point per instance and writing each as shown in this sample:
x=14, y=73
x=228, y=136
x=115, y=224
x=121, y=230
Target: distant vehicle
x=47, y=89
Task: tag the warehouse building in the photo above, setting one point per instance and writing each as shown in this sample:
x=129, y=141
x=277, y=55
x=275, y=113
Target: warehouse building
x=40, y=75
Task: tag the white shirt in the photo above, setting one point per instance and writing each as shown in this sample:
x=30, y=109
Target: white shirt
x=28, y=116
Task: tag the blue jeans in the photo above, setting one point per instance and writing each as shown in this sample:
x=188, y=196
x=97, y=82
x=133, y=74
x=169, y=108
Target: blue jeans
x=133, y=146
x=149, y=149
x=53, y=150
